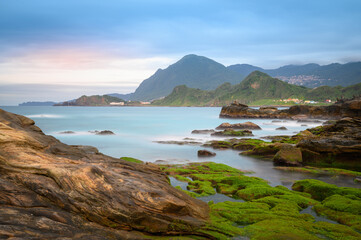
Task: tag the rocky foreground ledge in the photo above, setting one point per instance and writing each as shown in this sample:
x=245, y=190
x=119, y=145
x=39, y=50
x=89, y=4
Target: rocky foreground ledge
x=52, y=190
x=349, y=108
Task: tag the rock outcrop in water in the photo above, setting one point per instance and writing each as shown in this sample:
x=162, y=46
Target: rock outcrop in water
x=337, y=144
x=350, y=108
x=245, y=125
x=52, y=190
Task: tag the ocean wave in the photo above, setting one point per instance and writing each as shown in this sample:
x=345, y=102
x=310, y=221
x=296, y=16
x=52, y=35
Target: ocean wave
x=45, y=116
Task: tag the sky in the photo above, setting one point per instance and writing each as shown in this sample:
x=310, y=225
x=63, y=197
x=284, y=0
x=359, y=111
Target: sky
x=58, y=50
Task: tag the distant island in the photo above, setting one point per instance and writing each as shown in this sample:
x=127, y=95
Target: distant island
x=29, y=104
x=97, y=100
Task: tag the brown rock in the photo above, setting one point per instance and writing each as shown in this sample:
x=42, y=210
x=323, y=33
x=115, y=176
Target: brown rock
x=334, y=144
x=205, y=153
x=245, y=125
x=104, y=132
x=288, y=155
x=348, y=108
x=281, y=128
x=52, y=190
x=206, y=131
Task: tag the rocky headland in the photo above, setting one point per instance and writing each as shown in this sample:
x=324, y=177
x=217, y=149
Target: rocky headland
x=52, y=190
x=343, y=108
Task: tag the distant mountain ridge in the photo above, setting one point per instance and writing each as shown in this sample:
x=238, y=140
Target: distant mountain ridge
x=31, y=104
x=310, y=75
x=206, y=74
x=256, y=86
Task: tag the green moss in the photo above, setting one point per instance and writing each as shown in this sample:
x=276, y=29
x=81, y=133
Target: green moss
x=321, y=190
x=270, y=212
x=182, y=179
x=279, y=229
x=301, y=201
x=343, y=204
x=345, y=218
x=317, y=130
x=218, y=144
x=316, y=170
x=130, y=159
x=265, y=150
x=286, y=139
x=255, y=192
x=338, y=171
x=203, y=188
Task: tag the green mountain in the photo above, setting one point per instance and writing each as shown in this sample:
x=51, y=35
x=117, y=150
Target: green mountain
x=95, y=100
x=206, y=74
x=256, y=86
x=192, y=70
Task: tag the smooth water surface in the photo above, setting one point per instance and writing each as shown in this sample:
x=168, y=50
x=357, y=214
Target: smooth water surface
x=137, y=128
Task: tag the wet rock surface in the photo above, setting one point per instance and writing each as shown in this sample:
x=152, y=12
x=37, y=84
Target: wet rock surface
x=104, y=132
x=52, y=190
x=206, y=153
x=233, y=133
x=205, y=131
x=337, y=144
x=67, y=132
x=245, y=125
x=288, y=155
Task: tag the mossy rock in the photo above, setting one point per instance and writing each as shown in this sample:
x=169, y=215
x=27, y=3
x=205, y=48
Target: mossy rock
x=321, y=190
x=264, y=150
x=233, y=133
x=345, y=218
x=256, y=192
x=301, y=201
x=288, y=155
x=203, y=188
x=343, y=204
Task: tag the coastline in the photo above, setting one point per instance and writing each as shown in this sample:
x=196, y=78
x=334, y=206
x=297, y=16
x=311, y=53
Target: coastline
x=270, y=201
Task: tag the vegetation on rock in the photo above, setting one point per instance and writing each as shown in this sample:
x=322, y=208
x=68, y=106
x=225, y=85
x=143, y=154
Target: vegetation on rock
x=269, y=212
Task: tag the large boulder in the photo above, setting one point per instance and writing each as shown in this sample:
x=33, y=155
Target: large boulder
x=288, y=155
x=336, y=145
x=52, y=190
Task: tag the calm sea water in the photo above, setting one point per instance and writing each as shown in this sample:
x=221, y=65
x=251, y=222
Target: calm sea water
x=137, y=128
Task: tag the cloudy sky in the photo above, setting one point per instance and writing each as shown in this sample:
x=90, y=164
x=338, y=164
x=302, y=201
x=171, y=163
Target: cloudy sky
x=60, y=49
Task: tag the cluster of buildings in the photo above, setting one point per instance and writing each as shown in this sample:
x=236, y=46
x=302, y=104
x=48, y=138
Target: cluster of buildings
x=128, y=103
x=299, y=101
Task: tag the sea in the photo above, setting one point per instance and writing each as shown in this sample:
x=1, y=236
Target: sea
x=138, y=131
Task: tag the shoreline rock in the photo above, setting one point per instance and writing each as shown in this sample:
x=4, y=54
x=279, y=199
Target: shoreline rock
x=245, y=125
x=205, y=131
x=233, y=133
x=348, y=108
x=52, y=190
